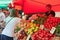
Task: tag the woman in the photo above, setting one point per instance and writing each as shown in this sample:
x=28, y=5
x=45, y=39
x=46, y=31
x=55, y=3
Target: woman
x=11, y=22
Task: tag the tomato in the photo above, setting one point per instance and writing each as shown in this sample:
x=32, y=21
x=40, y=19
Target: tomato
x=51, y=22
x=42, y=35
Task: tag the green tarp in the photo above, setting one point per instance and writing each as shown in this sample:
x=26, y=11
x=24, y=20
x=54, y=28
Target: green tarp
x=4, y=3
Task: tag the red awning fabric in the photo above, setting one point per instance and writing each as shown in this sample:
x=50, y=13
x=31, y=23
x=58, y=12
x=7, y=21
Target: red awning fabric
x=18, y=2
x=32, y=6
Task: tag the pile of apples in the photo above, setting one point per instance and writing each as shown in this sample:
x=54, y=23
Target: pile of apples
x=59, y=19
x=51, y=22
x=41, y=15
x=42, y=35
x=33, y=17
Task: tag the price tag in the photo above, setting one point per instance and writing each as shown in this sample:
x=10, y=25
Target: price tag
x=41, y=26
x=23, y=14
x=52, y=30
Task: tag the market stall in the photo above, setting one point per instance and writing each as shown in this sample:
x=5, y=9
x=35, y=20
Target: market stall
x=39, y=26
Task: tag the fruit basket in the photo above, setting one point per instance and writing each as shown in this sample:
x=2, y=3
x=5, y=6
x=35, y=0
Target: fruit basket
x=56, y=38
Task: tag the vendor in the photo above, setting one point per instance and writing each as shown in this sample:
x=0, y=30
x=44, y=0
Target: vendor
x=50, y=12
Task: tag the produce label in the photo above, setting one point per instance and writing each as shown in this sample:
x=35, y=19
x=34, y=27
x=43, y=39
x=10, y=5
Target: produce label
x=52, y=30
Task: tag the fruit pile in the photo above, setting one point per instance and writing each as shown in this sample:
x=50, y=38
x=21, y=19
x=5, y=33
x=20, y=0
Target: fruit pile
x=32, y=28
x=22, y=35
x=59, y=19
x=42, y=35
x=51, y=22
x=41, y=15
x=33, y=17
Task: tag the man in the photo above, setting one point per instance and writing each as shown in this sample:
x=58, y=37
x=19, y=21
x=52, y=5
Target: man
x=6, y=12
x=11, y=23
x=50, y=12
x=2, y=15
x=2, y=18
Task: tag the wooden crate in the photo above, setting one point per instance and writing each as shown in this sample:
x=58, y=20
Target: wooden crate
x=56, y=38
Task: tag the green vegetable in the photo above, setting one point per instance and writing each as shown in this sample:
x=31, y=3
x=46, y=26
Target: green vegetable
x=17, y=29
x=57, y=32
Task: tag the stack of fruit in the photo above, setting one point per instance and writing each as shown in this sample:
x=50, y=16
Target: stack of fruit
x=58, y=19
x=42, y=15
x=32, y=28
x=51, y=22
x=22, y=35
x=41, y=18
x=33, y=17
x=42, y=35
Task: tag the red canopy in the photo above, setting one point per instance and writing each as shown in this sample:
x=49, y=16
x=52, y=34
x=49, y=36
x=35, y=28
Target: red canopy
x=17, y=2
x=32, y=6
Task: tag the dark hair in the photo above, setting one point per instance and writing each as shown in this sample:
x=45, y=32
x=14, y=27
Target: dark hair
x=49, y=5
x=4, y=9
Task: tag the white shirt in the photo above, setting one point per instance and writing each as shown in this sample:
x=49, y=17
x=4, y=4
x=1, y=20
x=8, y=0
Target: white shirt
x=10, y=10
x=9, y=29
x=2, y=16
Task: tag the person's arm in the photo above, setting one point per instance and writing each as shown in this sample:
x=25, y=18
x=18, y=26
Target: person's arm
x=3, y=16
x=46, y=13
x=53, y=13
